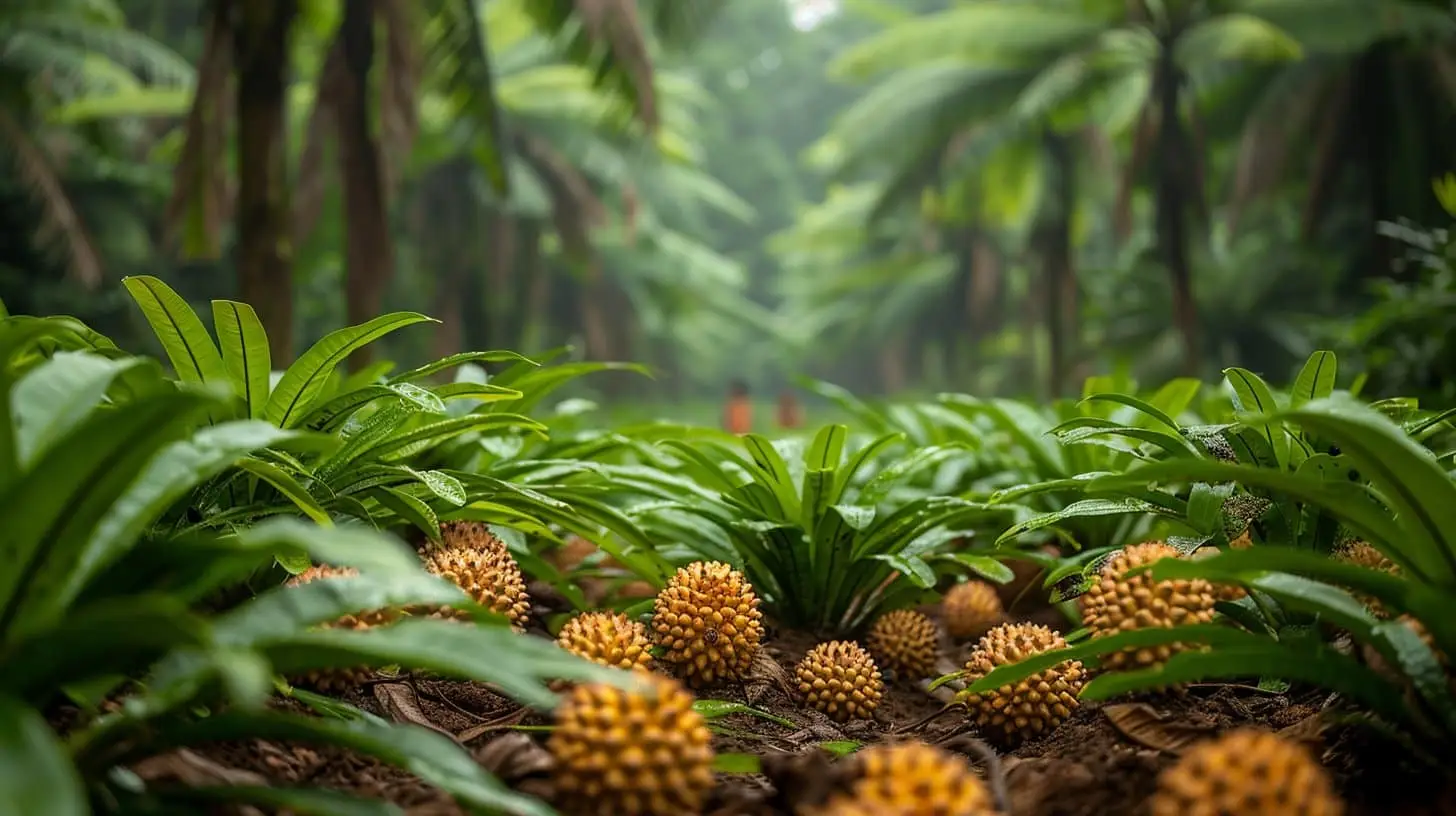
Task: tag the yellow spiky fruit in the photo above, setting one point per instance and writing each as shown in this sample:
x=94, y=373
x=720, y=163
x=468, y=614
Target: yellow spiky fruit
x=971, y=608
x=641, y=751
x=906, y=643
x=336, y=680
x=478, y=562
x=608, y=638
x=1362, y=554
x=1031, y=707
x=1118, y=602
x=1249, y=773
x=1221, y=592
x=840, y=679
x=909, y=779
x=707, y=621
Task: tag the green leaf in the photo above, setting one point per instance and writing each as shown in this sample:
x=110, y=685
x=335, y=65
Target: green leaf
x=363, y=548
x=1241, y=38
x=1408, y=478
x=717, y=709
x=57, y=395
x=407, y=507
x=288, y=486
x=1086, y=508
x=303, y=380
x=36, y=775
x=1252, y=395
x=285, y=610
x=189, y=347
x=845, y=747
x=431, y=756
x=1316, y=380
x=984, y=565
x=737, y=764
x=911, y=567
x=415, y=439
x=245, y=352
x=53, y=511
x=519, y=666
x=1138, y=405
x=771, y=471
x=458, y=360
x=116, y=636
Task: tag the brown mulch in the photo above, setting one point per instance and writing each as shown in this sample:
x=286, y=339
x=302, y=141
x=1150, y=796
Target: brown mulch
x=1103, y=761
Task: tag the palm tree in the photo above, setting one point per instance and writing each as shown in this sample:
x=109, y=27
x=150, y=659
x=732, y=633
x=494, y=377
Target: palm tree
x=58, y=57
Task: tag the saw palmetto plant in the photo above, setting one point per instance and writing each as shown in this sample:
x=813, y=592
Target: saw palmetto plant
x=96, y=451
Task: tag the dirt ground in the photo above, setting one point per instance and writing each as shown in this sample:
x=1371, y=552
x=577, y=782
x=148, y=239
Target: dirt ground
x=1103, y=761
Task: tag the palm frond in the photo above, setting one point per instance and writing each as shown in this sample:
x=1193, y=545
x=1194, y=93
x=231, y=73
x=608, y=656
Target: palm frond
x=60, y=226
x=607, y=37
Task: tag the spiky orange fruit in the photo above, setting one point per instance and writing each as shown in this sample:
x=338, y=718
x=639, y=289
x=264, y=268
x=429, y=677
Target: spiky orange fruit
x=641, y=751
x=609, y=638
x=840, y=679
x=478, y=562
x=1118, y=602
x=1362, y=554
x=906, y=643
x=707, y=621
x=971, y=608
x=1018, y=711
x=909, y=779
x=335, y=680
x=1249, y=773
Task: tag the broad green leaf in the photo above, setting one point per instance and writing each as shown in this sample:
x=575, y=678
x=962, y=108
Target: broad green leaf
x=57, y=395
x=984, y=565
x=1252, y=395
x=116, y=636
x=431, y=756
x=363, y=548
x=36, y=774
x=519, y=666
x=911, y=567
x=737, y=763
x=1138, y=405
x=409, y=508
x=1086, y=508
x=460, y=359
x=245, y=352
x=1316, y=380
x=303, y=380
x=414, y=440
x=284, y=483
x=861, y=459
x=53, y=511
x=189, y=347
x=1241, y=38
x=286, y=610
x=773, y=474
x=1408, y=478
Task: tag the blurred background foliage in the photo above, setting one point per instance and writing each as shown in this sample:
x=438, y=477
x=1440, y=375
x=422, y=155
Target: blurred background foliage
x=987, y=196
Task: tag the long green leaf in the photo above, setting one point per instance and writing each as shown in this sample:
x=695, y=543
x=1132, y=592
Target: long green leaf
x=1316, y=380
x=189, y=347
x=53, y=511
x=245, y=352
x=304, y=379
x=57, y=395
x=36, y=775
x=285, y=484
x=1252, y=394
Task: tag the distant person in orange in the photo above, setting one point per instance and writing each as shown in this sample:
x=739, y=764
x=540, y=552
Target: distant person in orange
x=790, y=414
x=738, y=414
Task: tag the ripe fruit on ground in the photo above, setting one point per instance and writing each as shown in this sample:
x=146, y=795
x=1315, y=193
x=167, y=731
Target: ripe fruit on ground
x=1221, y=592
x=340, y=679
x=478, y=562
x=1121, y=603
x=1362, y=554
x=642, y=751
x=1248, y=772
x=970, y=608
x=910, y=779
x=707, y=621
x=905, y=642
x=608, y=638
x=1015, y=712
x=840, y=679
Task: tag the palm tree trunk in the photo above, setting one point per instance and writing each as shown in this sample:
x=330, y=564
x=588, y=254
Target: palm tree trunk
x=1058, y=276
x=499, y=279
x=369, y=252
x=264, y=253
x=1172, y=167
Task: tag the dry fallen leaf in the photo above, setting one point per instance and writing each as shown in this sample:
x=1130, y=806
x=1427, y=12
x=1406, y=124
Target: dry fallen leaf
x=402, y=705
x=1149, y=728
